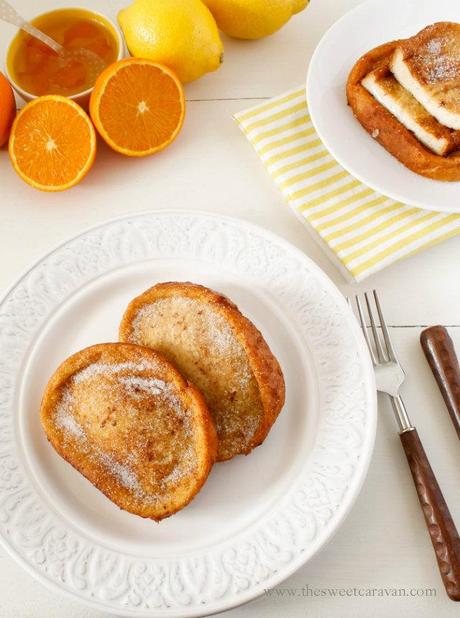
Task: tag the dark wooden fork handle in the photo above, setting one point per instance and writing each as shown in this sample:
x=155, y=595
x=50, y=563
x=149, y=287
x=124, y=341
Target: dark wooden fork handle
x=443, y=533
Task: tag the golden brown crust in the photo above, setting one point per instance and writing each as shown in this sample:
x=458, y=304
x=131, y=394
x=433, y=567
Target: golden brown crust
x=387, y=130
x=432, y=58
x=264, y=366
x=115, y=430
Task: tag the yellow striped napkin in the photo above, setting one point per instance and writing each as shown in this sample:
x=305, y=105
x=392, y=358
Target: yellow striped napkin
x=361, y=230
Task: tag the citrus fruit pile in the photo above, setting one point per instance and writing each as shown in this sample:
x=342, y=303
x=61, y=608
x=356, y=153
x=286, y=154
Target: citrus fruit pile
x=137, y=107
x=137, y=104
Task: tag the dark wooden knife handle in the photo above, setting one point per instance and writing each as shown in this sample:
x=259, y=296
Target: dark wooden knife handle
x=440, y=353
x=443, y=533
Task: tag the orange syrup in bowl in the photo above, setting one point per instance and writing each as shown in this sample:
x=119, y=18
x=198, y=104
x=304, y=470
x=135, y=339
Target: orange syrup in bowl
x=38, y=70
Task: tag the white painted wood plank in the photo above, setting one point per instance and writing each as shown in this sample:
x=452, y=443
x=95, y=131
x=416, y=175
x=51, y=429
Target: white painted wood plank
x=211, y=167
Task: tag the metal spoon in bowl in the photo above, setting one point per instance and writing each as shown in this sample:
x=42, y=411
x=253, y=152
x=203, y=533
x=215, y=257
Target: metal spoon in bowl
x=92, y=61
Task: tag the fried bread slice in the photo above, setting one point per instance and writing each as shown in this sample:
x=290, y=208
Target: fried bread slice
x=387, y=129
x=220, y=351
x=125, y=418
x=428, y=66
x=396, y=99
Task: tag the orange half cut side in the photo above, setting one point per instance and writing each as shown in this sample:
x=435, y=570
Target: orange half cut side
x=52, y=143
x=137, y=106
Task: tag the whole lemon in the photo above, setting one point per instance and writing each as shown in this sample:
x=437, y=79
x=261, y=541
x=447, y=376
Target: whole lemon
x=253, y=19
x=181, y=34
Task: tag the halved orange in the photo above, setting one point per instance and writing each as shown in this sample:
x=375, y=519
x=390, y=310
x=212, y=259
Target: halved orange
x=137, y=106
x=52, y=143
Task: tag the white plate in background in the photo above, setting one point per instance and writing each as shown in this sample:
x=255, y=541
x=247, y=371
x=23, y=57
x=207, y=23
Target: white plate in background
x=370, y=24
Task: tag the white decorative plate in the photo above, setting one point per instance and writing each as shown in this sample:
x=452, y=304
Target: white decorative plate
x=368, y=25
x=258, y=518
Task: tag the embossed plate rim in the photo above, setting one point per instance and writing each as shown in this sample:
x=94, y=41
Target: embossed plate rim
x=351, y=486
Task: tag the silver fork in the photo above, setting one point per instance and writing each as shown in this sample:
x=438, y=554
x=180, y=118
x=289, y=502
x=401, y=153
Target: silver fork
x=390, y=377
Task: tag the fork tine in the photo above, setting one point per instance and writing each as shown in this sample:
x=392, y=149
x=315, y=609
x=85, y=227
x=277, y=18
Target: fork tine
x=364, y=329
x=380, y=352
x=386, y=334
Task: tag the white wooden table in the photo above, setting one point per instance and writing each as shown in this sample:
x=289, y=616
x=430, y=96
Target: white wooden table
x=383, y=543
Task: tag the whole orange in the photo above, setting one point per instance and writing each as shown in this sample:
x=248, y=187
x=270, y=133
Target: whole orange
x=7, y=108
